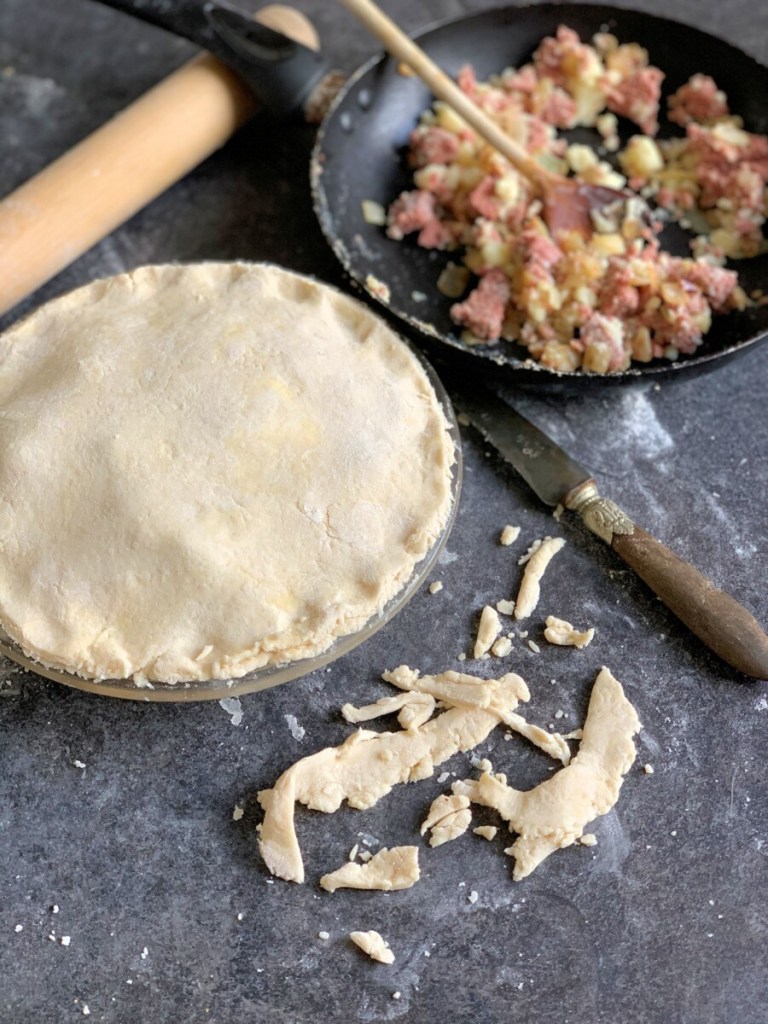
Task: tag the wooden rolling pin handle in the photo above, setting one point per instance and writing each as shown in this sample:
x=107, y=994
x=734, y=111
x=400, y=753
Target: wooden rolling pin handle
x=55, y=217
x=725, y=626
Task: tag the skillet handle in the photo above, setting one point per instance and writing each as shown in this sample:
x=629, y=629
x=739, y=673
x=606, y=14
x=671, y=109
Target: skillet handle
x=56, y=216
x=276, y=53
x=716, y=618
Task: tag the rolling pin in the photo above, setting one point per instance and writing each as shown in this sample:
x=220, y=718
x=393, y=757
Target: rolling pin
x=56, y=216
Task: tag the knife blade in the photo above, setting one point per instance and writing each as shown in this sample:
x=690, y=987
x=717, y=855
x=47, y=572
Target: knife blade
x=716, y=618
x=548, y=470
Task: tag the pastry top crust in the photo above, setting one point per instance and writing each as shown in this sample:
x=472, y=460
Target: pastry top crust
x=210, y=468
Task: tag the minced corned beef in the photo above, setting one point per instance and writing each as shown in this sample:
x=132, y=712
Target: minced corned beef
x=597, y=303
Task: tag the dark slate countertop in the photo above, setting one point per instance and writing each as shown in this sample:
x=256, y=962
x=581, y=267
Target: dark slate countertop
x=120, y=814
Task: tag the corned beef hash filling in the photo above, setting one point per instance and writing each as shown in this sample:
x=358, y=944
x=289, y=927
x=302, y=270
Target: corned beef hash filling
x=593, y=304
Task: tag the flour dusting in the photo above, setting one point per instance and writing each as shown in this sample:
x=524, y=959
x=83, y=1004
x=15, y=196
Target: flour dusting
x=297, y=731
x=233, y=708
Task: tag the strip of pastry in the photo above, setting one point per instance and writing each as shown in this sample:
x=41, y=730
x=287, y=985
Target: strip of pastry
x=368, y=765
x=528, y=595
x=553, y=814
x=470, y=691
x=487, y=631
x=387, y=870
x=414, y=709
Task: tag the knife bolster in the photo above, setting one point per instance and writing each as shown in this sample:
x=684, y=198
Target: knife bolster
x=600, y=515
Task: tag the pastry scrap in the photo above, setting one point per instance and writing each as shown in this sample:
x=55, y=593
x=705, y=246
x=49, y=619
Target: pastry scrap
x=414, y=709
x=509, y=535
x=563, y=634
x=487, y=631
x=529, y=593
x=260, y=462
x=387, y=870
x=553, y=814
x=368, y=764
x=449, y=817
x=486, y=831
x=374, y=945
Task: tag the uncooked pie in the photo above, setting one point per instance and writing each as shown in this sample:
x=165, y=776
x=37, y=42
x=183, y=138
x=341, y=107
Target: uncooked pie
x=208, y=469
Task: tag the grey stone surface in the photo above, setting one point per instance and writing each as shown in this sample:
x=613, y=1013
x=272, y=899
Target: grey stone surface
x=663, y=922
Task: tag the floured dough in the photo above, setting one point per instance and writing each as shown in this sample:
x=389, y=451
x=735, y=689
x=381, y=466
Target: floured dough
x=449, y=817
x=374, y=945
x=207, y=469
x=528, y=595
x=387, y=870
x=553, y=814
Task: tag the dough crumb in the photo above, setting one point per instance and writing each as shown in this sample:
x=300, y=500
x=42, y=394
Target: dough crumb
x=387, y=870
x=563, y=634
x=588, y=839
x=473, y=897
x=505, y=607
x=237, y=812
x=374, y=945
x=233, y=708
x=534, y=647
x=436, y=587
x=78, y=764
x=395, y=995
x=353, y=852
x=65, y=940
x=502, y=647
x=86, y=1010
x=461, y=657
x=323, y=935
x=536, y=564
x=144, y=953
x=509, y=535
x=365, y=856
x=558, y=513
x=449, y=817
x=648, y=769
x=297, y=731
x=487, y=631
x=486, y=831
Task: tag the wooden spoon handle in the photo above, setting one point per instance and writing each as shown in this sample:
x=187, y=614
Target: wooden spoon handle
x=399, y=45
x=84, y=195
x=725, y=626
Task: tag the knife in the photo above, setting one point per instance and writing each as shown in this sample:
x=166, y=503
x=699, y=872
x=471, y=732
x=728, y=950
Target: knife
x=717, y=619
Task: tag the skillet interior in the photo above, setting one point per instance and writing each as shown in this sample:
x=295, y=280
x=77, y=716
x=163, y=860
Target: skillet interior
x=359, y=155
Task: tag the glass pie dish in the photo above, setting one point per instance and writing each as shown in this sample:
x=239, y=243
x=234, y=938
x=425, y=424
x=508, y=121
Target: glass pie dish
x=272, y=675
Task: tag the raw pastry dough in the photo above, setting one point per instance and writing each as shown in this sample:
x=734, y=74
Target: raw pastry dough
x=207, y=469
x=374, y=945
x=563, y=634
x=553, y=814
x=449, y=817
x=528, y=595
x=387, y=870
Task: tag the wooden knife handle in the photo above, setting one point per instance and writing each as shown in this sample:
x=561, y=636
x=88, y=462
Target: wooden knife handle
x=717, y=619
x=725, y=626
x=85, y=194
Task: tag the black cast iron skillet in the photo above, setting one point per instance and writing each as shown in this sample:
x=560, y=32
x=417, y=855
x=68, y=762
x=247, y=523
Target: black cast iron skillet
x=359, y=155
